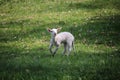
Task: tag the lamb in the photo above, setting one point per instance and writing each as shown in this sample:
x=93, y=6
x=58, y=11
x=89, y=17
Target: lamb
x=58, y=38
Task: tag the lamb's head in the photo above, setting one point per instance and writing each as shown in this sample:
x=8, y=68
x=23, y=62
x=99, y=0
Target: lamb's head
x=54, y=31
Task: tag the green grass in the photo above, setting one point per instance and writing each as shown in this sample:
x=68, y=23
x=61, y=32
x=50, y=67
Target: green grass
x=24, y=40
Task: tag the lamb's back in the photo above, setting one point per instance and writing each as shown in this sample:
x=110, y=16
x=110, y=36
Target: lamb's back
x=63, y=36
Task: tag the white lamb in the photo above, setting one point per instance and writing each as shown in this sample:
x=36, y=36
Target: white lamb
x=64, y=37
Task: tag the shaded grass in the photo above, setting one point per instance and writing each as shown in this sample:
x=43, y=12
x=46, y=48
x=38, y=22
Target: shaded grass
x=99, y=30
x=96, y=66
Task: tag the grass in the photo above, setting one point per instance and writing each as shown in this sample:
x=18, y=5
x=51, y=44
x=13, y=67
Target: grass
x=24, y=40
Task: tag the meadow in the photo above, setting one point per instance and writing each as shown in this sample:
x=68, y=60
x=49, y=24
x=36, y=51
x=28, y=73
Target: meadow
x=24, y=40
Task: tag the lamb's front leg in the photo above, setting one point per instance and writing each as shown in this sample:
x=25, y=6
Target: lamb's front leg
x=57, y=46
x=50, y=48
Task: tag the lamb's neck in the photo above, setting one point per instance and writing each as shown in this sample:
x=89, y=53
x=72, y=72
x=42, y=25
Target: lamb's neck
x=53, y=38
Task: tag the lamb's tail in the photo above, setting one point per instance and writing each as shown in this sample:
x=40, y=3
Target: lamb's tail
x=73, y=47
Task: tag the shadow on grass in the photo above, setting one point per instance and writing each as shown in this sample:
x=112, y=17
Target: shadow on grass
x=92, y=66
x=95, y=4
x=99, y=30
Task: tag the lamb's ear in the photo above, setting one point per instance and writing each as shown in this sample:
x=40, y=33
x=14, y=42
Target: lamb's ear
x=58, y=29
x=48, y=29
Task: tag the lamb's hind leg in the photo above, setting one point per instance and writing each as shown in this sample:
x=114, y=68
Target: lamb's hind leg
x=65, y=47
x=69, y=48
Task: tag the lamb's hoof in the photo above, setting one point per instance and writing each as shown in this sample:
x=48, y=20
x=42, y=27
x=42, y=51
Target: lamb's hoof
x=66, y=54
x=53, y=55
